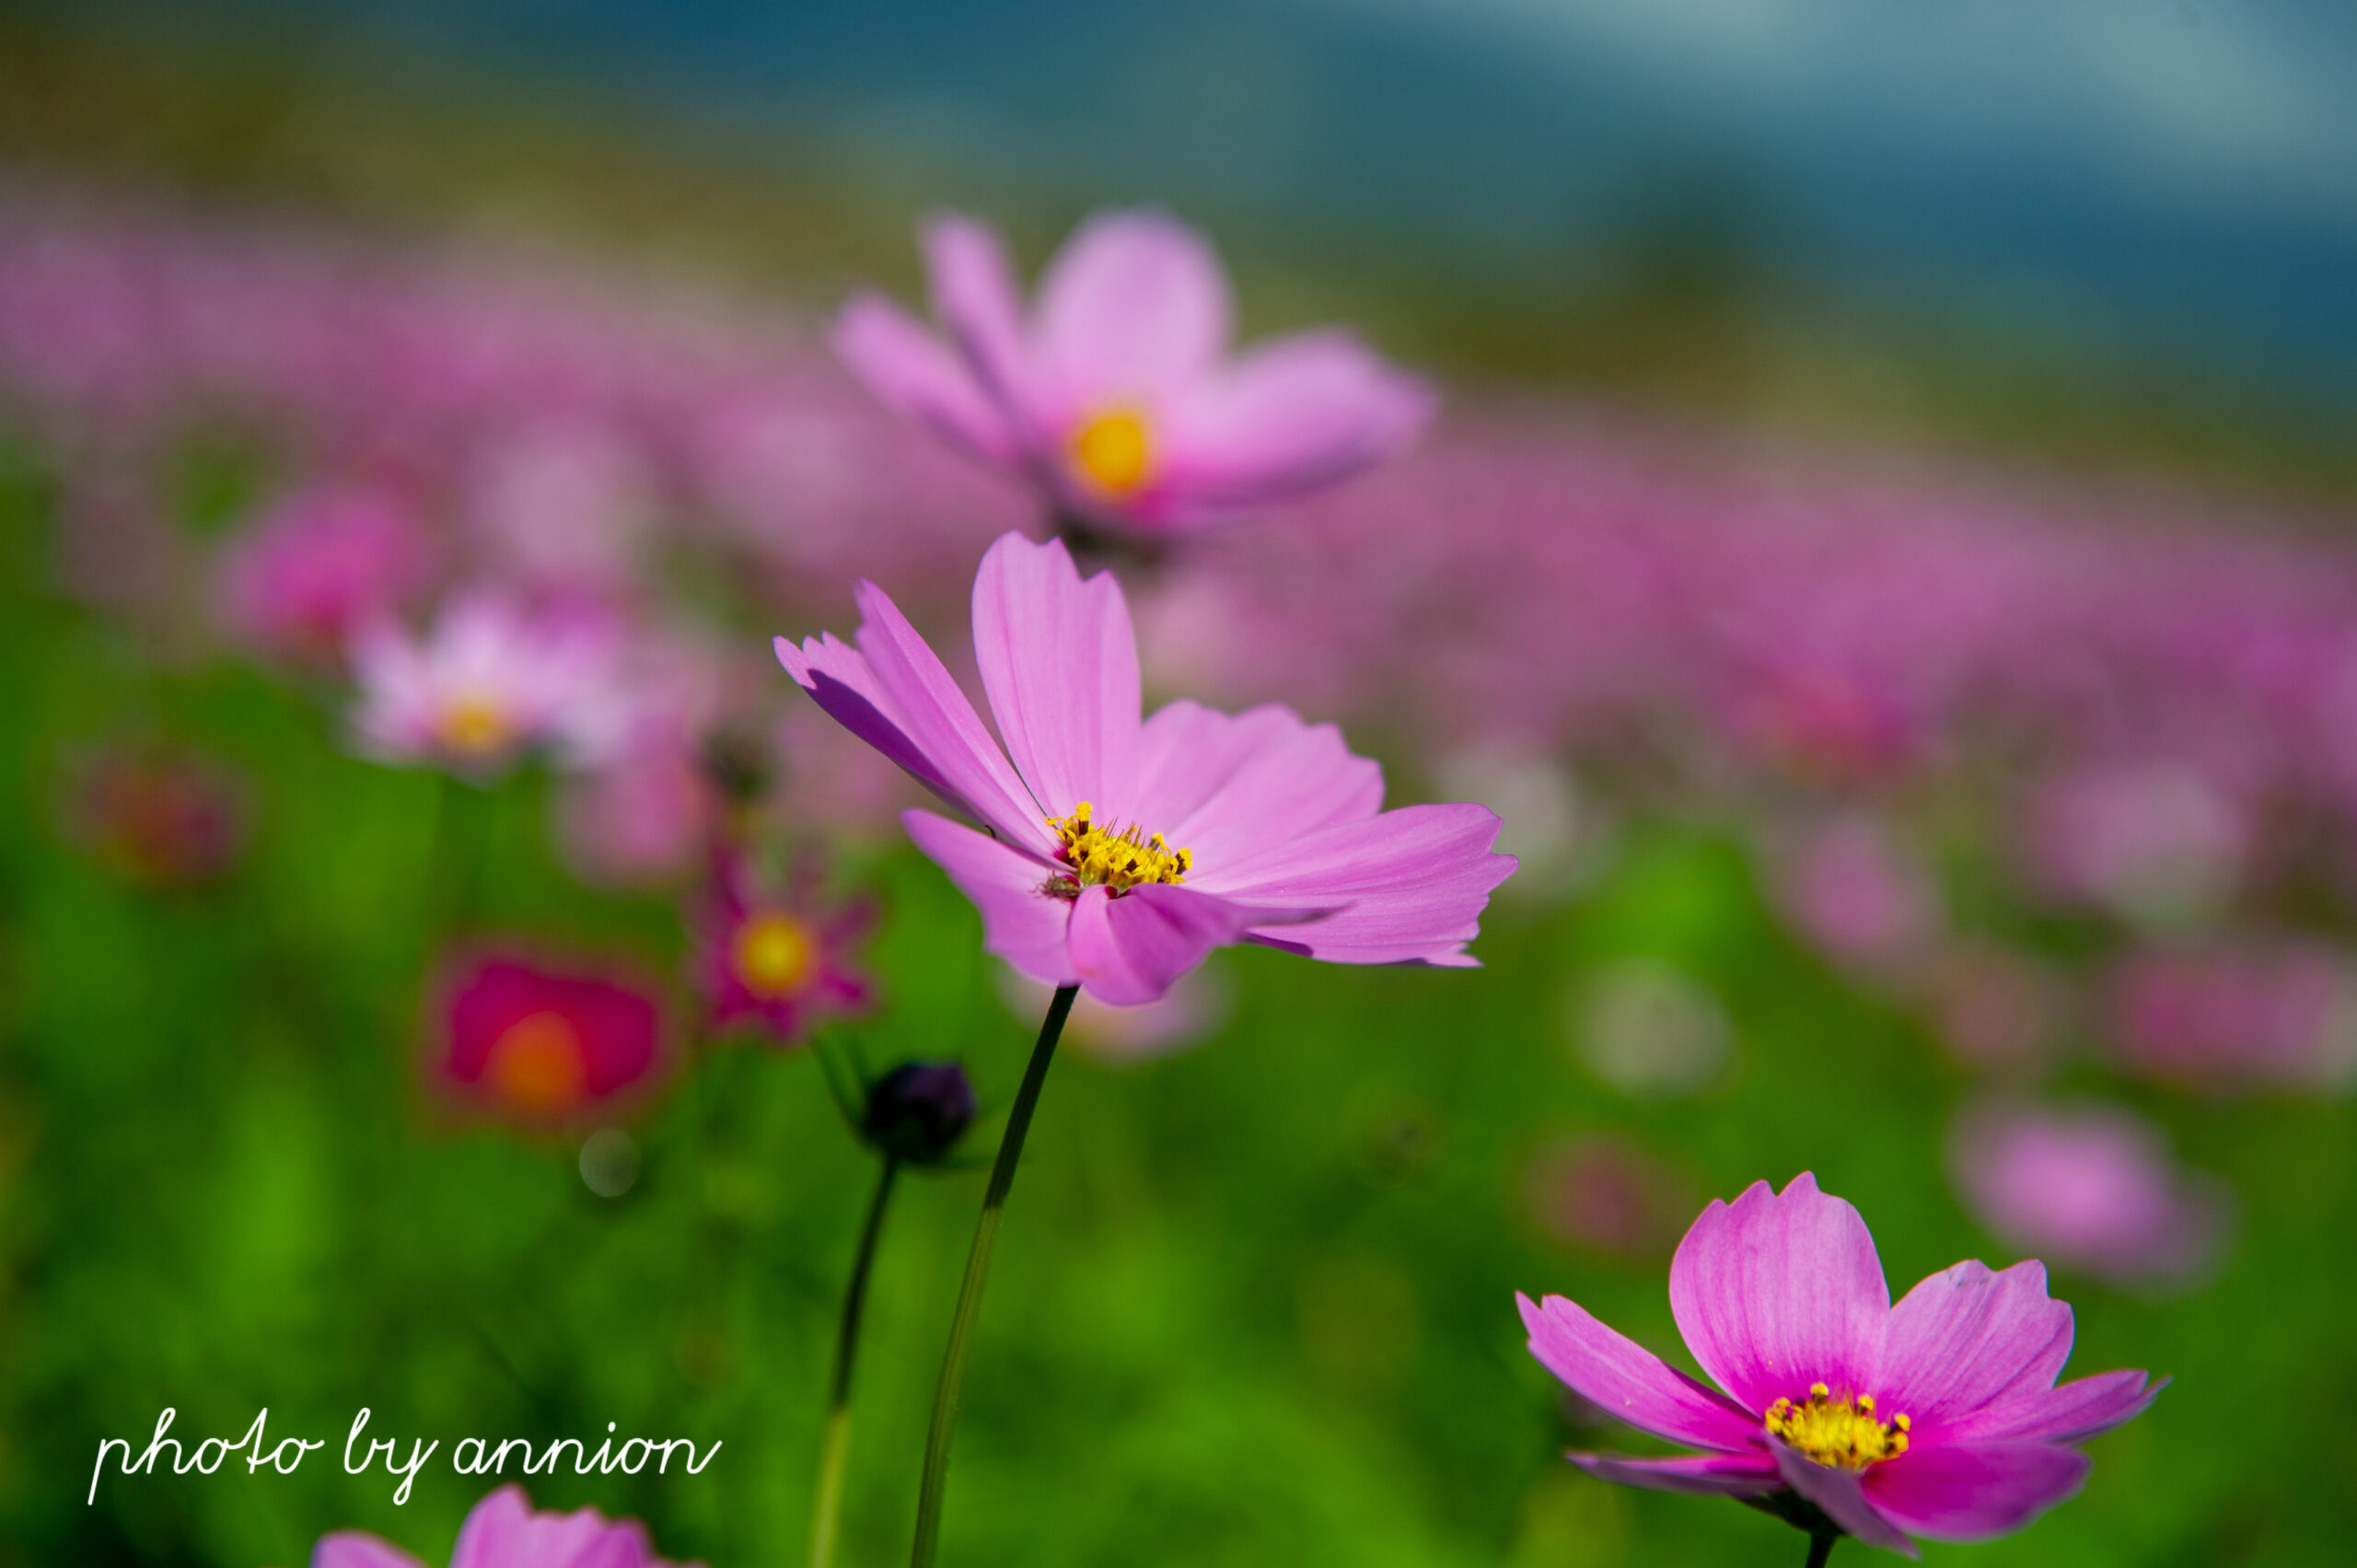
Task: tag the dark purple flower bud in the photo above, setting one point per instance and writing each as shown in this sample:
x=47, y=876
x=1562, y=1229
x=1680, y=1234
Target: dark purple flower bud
x=917, y=1111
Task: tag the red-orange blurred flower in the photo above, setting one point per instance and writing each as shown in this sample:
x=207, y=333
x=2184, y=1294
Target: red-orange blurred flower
x=543, y=1046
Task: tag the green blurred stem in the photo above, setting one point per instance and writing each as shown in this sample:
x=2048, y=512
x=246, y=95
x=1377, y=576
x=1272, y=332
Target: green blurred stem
x=1820, y=1547
x=835, y=1452
x=461, y=834
x=978, y=1268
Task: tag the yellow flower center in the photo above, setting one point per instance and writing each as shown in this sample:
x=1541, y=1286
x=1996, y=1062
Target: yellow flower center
x=474, y=727
x=773, y=954
x=1113, y=450
x=1120, y=860
x=537, y=1064
x=1845, y=1434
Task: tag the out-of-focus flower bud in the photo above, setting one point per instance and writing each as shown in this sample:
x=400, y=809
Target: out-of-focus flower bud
x=917, y=1111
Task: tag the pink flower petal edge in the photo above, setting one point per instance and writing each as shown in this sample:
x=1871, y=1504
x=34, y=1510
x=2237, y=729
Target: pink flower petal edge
x=502, y=1531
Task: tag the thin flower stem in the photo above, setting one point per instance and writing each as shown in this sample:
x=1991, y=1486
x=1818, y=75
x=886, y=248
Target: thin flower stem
x=978, y=1268
x=836, y=1450
x=461, y=833
x=1820, y=1547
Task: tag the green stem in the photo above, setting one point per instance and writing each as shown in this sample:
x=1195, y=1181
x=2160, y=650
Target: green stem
x=835, y=1452
x=978, y=1268
x=461, y=833
x=1820, y=1547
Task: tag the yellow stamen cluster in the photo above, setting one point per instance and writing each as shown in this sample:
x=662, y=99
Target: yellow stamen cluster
x=773, y=954
x=1845, y=1433
x=1117, y=860
x=1114, y=451
x=474, y=727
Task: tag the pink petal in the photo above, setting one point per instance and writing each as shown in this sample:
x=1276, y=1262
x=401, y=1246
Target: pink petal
x=1293, y=415
x=504, y=1532
x=1411, y=885
x=1231, y=788
x=1020, y=924
x=975, y=296
x=913, y=373
x=924, y=702
x=357, y=1548
x=1841, y=1495
x=1135, y=303
x=1974, y=1491
x=840, y=679
x=2072, y=1414
x=1779, y=1290
x=1060, y=664
x=1624, y=1379
x=1967, y=1338
x=1698, y=1475
x=1129, y=951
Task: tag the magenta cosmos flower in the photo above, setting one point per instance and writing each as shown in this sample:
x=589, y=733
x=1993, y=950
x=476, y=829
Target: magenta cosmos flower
x=1116, y=396
x=1938, y=1417
x=503, y=1532
x=493, y=682
x=319, y=564
x=777, y=961
x=543, y=1046
x=1118, y=853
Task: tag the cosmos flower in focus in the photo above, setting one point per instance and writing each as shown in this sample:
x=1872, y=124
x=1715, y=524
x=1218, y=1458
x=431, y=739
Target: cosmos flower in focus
x=777, y=961
x=540, y=1046
x=1119, y=853
x=2095, y=1189
x=318, y=565
x=1116, y=396
x=490, y=683
x=503, y=1532
x=1938, y=1417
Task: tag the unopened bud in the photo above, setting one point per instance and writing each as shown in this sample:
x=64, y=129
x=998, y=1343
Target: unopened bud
x=917, y=1111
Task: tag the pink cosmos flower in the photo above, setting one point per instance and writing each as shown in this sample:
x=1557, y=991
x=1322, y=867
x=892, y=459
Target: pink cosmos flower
x=159, y=817
x=779, y=962
x=1938, y=1417
x=317, y=566
x=503, y=1532
x=1115, y=397
x=2255, y=1015
x=2095, y=1189
x=1857, y=892
x=491, y=682
x=1118, y=853
x=543, y=1046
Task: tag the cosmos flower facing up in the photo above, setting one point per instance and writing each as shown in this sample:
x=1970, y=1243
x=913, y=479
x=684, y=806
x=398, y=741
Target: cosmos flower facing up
x=2095, y=1189
x=1938, y=1417
x=777, y=963
x=1116, y=396
x=323, y=562
x=544, y=1047
x=503, y=1532
x=1118, y=853
x=491, y=682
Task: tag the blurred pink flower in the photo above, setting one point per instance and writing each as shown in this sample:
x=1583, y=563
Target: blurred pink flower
x=503, y=1532
x=161, y=818
x=1991, y=1008
x=564, y=504
x=2157, y=844
x=778, y=961
x=2282, y=1017
x=2093, y=1190
x=318, y=565
x=1607, y=1195
x=541, y=1045
x=493, y=682
x=1116, y=397
x=1938, y=1417
x=1853, y=890
x=1120, y=854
